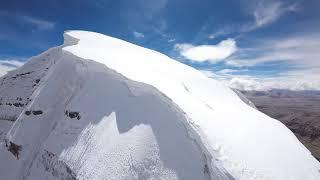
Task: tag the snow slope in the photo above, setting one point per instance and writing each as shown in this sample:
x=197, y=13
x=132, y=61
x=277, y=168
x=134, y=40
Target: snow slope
x=93, y=123
x=16, y=88
x=108, y=109
x=250, y=144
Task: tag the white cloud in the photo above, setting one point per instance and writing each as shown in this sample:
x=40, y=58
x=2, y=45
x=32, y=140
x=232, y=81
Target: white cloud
x=172, y=40
x=212, y=36
x=40, y=24
x=307, y=79
x=267, y=12
x=302, y=51
x=241, y=62
x=227, y=30
x=244, y=84
x=138, y=35
x=13, y=63
x=263, y=13
x=211, y=53
x=37, y=23
x=299, y=52
x=9, y=65
x=228, y=71
x=292, y=83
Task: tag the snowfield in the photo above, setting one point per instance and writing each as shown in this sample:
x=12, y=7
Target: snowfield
x=101, y=108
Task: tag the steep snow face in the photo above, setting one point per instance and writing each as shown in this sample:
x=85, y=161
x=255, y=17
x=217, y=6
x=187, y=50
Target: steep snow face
x=16, y=88
x=86, y=121
x=249, y=144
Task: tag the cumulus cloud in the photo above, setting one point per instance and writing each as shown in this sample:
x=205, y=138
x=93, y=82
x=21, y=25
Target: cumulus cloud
x=138, y=35
x=307, y=79
x=210, y=53
x=244, y=84
x=296, y=83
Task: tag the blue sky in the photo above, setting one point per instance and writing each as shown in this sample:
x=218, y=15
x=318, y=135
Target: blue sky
x=250, y=44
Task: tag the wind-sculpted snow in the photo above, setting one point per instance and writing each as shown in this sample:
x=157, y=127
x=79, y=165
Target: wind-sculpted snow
x=249, y=144
x=126, y=130
x=108, y=109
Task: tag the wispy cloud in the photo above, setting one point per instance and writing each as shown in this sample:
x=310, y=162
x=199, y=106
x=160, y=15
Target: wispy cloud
x=210, y=53
x=39, y=24
x=138, y=35
x=263, y=13
x=228, y=71
x=267, y=12
x=34, y=22
x=171, y=40
x=301, y=51
x=151, y=8
x=227, y=30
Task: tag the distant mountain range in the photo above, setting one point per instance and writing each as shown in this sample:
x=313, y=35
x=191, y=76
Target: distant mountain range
x=298, y=110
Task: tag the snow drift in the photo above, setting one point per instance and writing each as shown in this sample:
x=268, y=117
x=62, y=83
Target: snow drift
x=101, y=108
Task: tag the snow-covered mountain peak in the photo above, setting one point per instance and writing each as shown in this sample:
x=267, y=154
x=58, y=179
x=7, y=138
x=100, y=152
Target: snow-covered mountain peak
x=103, y=108
x=249, y=144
